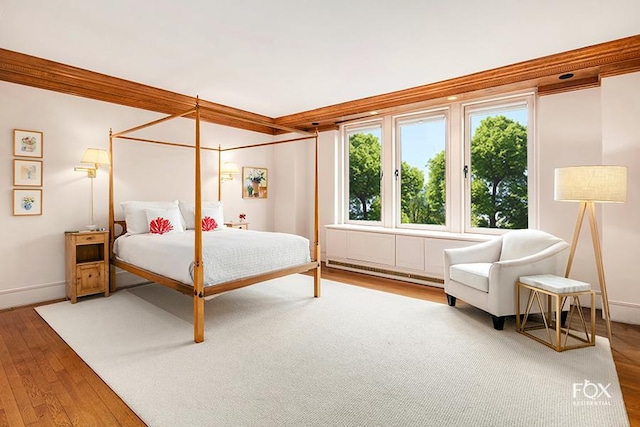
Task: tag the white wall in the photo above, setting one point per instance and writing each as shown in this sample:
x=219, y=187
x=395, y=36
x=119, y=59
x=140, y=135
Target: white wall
x=32, y=247
x=569, y=134
x=621, y=222
x=294, y=172
x=590, y=127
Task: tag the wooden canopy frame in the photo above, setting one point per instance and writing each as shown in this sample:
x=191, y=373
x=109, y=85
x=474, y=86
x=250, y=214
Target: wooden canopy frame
x=198, y=290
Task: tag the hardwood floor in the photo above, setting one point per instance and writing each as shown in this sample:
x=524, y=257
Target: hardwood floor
x=44, y=383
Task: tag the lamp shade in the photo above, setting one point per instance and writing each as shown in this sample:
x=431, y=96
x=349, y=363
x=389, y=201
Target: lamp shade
x=601, y=183
x=229, y=168
x=95, y=156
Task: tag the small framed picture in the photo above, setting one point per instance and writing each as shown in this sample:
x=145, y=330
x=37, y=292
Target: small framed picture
x=27, y=173
x=27, y=143
x=254, y=183
x=27, y=202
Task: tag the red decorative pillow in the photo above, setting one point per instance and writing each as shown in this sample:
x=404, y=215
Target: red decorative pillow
x=160, y=226
x=209, y=224
x=163, y=221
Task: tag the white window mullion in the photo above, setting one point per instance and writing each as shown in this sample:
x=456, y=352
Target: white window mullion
x=455, y=177
x=388, y=169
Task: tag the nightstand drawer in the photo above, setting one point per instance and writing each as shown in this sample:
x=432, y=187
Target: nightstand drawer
x=238, y=225
x=90, y=238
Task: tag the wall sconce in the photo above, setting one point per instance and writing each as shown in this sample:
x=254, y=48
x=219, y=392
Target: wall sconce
x=94, y=158
x=227, y=171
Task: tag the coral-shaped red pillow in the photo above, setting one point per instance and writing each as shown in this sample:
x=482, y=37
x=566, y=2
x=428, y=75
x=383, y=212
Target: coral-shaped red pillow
x=160, y=226
x=209, y=224
x=163, y=221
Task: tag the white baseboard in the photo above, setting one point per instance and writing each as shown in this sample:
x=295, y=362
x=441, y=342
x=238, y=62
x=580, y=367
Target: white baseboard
x=625, y=312
x=35, y=294
x=32, y=294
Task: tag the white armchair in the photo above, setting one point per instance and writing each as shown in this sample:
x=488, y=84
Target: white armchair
x=484, y=275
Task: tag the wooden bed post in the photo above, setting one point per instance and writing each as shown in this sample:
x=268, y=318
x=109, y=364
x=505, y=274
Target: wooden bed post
x=219, y=175
x=198, y=270
x=112, y=228
x=316, y=252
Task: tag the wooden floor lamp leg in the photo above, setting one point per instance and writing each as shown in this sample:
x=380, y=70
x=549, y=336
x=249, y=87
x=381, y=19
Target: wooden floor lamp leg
x=597, y=249
x=576, y=235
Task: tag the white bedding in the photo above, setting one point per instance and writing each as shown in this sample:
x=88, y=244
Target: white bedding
x=228, y=254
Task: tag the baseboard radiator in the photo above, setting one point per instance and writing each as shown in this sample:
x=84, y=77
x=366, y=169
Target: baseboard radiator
x=409, y=277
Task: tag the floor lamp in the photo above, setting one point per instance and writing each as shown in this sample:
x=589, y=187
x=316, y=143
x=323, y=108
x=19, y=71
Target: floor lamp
x=94, y=158
x=589, y=185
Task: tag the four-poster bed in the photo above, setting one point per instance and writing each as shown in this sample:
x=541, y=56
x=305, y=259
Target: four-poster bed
x=198, y=288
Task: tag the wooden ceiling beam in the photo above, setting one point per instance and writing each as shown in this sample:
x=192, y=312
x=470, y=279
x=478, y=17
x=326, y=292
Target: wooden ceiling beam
x=618, y=56
x=588, y=64
x=44, y=74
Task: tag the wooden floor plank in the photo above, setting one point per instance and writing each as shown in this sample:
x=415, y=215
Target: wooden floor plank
x=22, y=400
x=4, y=421
x=10, y=412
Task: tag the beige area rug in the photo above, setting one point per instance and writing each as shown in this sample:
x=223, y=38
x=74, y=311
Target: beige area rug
x=275, y=356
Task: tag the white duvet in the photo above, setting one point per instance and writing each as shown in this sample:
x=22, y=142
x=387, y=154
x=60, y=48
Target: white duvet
x=228, y=254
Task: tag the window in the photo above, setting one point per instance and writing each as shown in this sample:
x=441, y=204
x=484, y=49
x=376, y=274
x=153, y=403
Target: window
x=496, y=171
x=421, y=170
x=459, y=168
x=364, y=173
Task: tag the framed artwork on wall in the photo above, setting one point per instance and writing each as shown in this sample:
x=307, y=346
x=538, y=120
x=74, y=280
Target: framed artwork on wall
x=27, y=202
x=27, y=143
x=254, y=183
x=27, y=173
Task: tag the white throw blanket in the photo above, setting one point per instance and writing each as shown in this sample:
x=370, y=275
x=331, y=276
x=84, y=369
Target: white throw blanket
x=228, y=254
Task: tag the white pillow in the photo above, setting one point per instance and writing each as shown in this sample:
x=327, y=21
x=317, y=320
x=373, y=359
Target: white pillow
x=136, y=217
x=209, y=220
x=213, y=209
x=164, y=221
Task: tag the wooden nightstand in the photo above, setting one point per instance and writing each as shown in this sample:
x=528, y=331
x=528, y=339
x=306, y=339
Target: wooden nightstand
x=87, y=263
x=238, y=225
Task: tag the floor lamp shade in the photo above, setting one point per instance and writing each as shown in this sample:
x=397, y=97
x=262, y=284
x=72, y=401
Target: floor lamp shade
x=602, y=184
x=589, y=185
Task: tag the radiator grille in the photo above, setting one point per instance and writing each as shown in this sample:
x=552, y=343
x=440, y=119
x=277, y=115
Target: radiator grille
x=386, y=272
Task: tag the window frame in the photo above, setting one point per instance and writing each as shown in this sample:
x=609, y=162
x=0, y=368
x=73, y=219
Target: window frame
x=497, y=104
x=408, y=118
x=347, y=130
x=457, y=152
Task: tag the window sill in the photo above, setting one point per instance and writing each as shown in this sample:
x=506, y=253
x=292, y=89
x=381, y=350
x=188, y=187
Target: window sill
x=467, y=237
